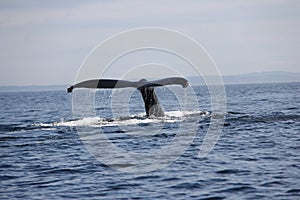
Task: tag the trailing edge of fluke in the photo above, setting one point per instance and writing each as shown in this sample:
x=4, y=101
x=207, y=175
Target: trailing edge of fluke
x=152, y=105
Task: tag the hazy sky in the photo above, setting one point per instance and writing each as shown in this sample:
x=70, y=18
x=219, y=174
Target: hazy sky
x=44, y=42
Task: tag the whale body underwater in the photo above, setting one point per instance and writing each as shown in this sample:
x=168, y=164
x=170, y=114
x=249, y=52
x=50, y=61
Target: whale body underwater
x=146, y=88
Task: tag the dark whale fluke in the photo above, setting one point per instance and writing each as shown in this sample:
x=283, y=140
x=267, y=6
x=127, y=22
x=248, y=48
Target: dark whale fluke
x=146, y=88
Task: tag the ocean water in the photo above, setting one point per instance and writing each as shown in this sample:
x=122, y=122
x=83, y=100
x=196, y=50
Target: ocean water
x=257, y=155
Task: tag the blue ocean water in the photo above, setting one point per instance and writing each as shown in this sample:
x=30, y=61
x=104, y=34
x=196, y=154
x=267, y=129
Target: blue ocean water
x=257, y=155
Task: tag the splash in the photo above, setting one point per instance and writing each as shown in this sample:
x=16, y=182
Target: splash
x=138, y=119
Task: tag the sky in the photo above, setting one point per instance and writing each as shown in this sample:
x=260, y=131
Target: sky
x=45, y=42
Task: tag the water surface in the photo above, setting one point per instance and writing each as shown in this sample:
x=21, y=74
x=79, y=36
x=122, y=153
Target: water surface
x=256, y=157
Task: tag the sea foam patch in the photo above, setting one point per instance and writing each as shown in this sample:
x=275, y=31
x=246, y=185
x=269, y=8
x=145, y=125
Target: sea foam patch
x=138, y=119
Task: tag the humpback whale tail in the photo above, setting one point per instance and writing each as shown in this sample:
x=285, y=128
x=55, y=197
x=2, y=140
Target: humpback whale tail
x=146, y=88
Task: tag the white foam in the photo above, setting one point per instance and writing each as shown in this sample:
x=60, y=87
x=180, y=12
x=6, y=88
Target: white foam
x=170, y=117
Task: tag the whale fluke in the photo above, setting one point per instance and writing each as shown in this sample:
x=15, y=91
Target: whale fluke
x=102, y=84
x=146, y=88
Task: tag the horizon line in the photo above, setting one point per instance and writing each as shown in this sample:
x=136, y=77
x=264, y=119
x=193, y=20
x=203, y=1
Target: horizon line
x=191, y=76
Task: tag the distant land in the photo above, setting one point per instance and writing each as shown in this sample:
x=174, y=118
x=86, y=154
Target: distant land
x=257, y=77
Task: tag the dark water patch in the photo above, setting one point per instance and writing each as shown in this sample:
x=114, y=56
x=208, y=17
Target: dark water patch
x=272, y=183
x=28, y=121
x=295, y=165
x=218, y=179
x=7, y=177
x=187, y=185
x=262, y=100
x=118, y=131
x=251, y=159
x=292, y=108
x=212, y=198
x=170, y=179
x=235, y=113
x=33, y=110
x=111, y=129
x=102, y=108
x=294, y=191
x=280, y=177
x=238, y=189
x=8, y=138
x=30, y=144
x=226, y=124
x=61, y=131
x=263, y=118
x=123, y=186
x=11, y=128
x=232, y=171
x=144, y=124
x=272, y=158
x=144, y=177
x=164, y=135
x=5, y=166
